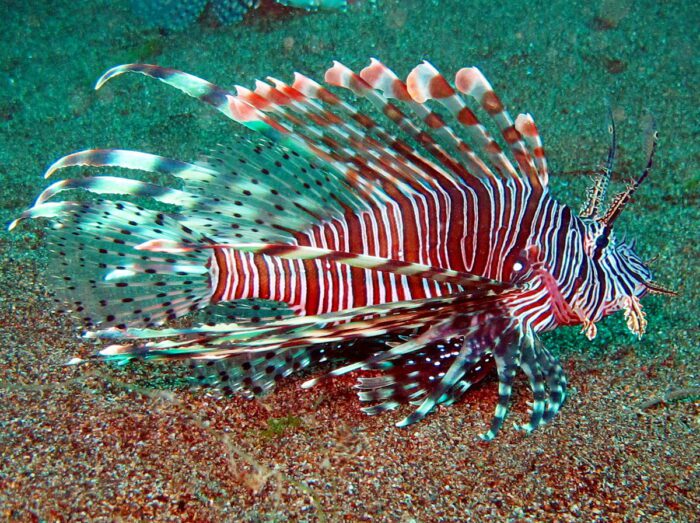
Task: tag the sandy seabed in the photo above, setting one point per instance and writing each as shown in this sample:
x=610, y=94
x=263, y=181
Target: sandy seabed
x=96, y=443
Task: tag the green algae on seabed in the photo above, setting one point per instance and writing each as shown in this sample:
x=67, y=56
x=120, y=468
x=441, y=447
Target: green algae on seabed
x=278, y=426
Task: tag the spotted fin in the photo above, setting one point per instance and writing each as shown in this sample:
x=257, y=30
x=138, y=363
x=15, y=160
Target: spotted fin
x=516, y=348
x=411, y=377
x=105, y=281
x=240, y=192
x=246, y=310
x=443, y=370
x=254, y=374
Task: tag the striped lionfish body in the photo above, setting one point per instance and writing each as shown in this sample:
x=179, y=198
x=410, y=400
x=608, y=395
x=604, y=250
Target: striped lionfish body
x=408, y=244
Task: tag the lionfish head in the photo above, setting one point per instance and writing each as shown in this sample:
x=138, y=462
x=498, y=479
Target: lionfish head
x=628, y=277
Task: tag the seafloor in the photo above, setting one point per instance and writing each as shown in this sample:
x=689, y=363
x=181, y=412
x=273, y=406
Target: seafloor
x=106, y=444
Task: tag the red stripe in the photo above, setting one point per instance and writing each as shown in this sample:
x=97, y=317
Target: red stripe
x=264, y=290
x=220, y=260
x=454, y=232
x=237, y=262
x=357, y=275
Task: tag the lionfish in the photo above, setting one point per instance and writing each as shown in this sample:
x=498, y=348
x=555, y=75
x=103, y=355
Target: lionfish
x=401, y=242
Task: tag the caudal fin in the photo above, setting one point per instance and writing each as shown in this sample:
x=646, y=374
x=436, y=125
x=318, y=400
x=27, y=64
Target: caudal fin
x=105, y=280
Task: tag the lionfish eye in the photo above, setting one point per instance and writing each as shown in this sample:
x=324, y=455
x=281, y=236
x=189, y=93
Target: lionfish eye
x=521, y=267
x=602, y=242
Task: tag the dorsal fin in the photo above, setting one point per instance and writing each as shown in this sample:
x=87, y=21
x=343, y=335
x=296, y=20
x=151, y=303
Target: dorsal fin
x=380, y=77
x=307, y=117
x=241, y=191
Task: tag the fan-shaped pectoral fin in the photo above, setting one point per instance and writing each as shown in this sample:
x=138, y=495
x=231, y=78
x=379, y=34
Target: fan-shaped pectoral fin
x=487, y=337
x=534, y=370
x=518, y=347
x=506, y=347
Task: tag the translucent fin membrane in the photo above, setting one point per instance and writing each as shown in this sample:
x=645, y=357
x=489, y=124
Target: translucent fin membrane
x=105, y=281
x=313, y=119
x=240, y=192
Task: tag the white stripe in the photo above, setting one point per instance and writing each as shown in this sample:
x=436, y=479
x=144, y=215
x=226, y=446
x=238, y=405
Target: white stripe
x=232, y=275
x=369, y=284
x=256, y=277
x=283, y=275
x=426, y=288
x=293, y=274
x=271, y=277
x=497, y=199
x=321, y=286
x=245, y=269
x=345, y=274
x=340, y=269
x=406, y=288
x=302, y=280
x=385, y=224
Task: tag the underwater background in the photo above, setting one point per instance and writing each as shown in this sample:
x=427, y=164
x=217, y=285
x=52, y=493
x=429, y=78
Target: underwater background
x=102, y=443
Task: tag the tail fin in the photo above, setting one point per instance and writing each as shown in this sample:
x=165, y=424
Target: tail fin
x=106, y=281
